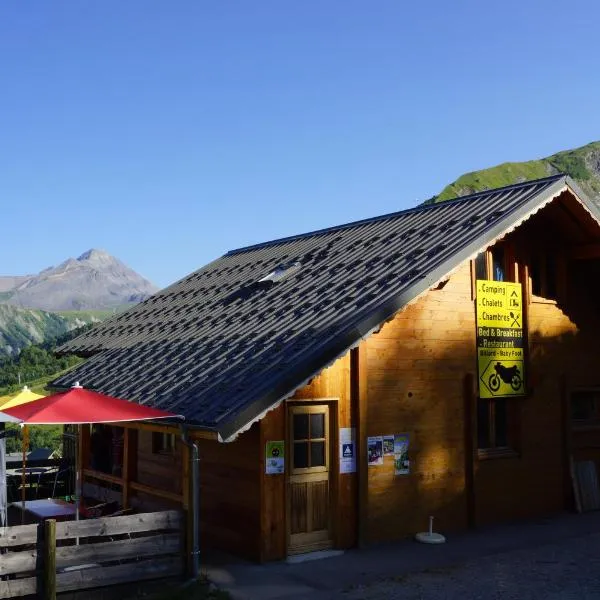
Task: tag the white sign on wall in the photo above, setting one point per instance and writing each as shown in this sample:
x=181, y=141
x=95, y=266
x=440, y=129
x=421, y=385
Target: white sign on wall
x=347, y=450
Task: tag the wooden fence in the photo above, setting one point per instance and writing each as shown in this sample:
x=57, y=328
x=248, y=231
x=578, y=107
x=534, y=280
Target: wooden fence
x=75, y=555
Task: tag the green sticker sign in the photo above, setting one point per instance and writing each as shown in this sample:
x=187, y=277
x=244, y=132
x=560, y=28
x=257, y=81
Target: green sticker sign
x=275, y=458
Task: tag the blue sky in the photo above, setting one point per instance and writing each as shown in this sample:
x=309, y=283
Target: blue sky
x=170, y=132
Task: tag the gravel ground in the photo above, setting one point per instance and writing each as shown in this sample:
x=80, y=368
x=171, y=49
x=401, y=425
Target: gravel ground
x=565, y=571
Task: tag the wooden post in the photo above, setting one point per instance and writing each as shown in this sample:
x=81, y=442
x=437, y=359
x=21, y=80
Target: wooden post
x=358, y=380
x=129, y=473
x=571, y=490
x=125, y=468
x=470, y=398
x=50, y=559
x=526, y=300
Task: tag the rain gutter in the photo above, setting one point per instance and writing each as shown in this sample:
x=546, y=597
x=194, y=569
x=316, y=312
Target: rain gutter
x=195, y=517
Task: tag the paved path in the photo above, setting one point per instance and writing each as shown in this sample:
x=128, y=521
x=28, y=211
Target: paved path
x=565, y=571
x=549, y=559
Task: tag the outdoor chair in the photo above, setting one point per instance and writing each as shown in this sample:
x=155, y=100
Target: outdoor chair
x=61, y=481
x=31, y=486
x=47, y=484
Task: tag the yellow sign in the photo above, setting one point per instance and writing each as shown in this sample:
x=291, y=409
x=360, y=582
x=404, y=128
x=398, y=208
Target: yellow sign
x=500, y=357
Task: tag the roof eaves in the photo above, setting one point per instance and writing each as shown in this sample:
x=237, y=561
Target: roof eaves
x=229, y=428
x=592, y=207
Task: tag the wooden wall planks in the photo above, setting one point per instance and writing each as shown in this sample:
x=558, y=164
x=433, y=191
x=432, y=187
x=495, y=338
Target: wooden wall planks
x=416, y=367
x=230, y=506
x=333, y=382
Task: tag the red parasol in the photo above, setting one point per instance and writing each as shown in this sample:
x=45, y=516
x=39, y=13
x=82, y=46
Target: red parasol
x=79, y=406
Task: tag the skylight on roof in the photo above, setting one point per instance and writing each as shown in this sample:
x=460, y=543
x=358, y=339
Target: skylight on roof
x=282, y=271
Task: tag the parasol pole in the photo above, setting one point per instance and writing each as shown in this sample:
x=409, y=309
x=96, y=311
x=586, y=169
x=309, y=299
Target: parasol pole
x=76, y=385
x=24, y=446
x=77, y=471
x=3, y=494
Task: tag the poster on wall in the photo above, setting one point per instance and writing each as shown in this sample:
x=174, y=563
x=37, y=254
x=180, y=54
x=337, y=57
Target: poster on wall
x=388, y=445
x=347, y=450
x=500, y=355
x=275, y=458
x=401, y=462
x=375, y=450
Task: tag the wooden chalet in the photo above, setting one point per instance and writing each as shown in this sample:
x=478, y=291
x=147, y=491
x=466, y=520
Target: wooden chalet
x=335, y=383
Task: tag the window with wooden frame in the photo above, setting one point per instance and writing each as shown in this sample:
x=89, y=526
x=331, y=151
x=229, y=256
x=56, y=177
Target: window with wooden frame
x=163, y=443
x=106, y=449
x=497, y=427
x=310, y=449
x=585, y=409
x=543, y=272
x=494, y=264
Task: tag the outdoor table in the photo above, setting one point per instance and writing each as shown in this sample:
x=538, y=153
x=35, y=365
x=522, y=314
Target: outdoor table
x=50, y=508
x=29, y=471
x=32, y=476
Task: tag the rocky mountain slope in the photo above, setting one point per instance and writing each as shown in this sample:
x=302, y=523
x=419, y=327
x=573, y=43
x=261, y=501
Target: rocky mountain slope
x=96, y=280
x=8, y=282
x=37, y=308
x=582, y=164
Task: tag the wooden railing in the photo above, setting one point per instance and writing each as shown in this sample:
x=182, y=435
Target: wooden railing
x=44, y=559
x=126, y=487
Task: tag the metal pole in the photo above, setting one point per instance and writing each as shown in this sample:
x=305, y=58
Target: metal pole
x=77, y=473
x=77, y=477
x=3, y=490
x=3, y=494
x=24, y=446
x=196, y=508
x=195, y=460
x=76, y=385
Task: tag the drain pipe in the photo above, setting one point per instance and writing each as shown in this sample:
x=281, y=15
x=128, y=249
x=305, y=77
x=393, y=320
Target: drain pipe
x=195, y=466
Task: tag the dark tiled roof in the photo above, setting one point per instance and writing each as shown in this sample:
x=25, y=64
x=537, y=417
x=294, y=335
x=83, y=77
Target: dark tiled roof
x=221, y=346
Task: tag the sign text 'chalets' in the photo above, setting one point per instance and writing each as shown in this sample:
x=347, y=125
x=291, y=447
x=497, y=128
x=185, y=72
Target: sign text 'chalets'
x=500, y=356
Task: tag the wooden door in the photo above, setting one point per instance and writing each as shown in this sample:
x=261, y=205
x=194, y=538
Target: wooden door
x=309, y=504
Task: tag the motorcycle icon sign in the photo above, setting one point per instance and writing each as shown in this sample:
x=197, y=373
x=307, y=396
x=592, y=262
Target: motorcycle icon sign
x=503, y=378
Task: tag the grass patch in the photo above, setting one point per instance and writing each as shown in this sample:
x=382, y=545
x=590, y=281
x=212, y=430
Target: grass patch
x=571, y=163
x=500, y=176
x=581, y=164
x=38, y=385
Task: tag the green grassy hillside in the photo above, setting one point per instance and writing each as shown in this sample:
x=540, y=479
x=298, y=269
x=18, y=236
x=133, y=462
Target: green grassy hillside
x=35, y=366
x=582, y=164
x=20, y=327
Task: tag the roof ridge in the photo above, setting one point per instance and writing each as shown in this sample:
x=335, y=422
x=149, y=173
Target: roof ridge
x=414, y=209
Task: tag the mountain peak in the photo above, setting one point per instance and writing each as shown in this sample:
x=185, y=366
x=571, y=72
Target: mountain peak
x=95, y=254
x=94, y=280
